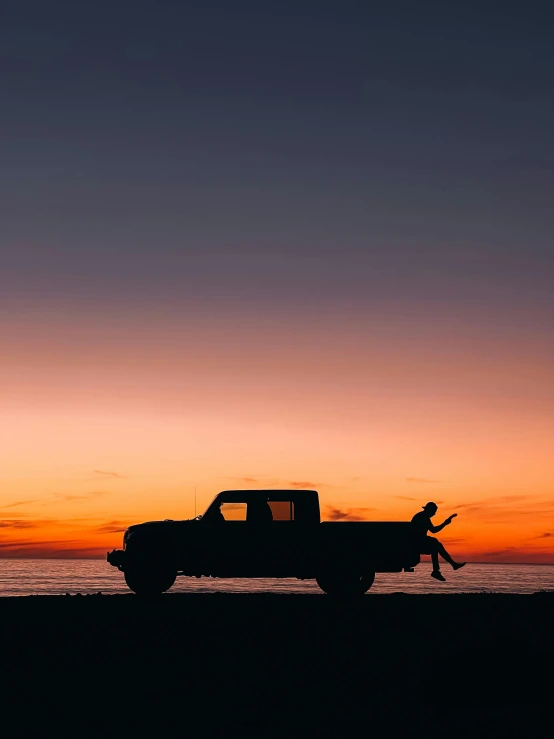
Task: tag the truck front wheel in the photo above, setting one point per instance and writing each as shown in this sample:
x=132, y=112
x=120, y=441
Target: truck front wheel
x=149, y=583
x=345, y=585
x=149, y=577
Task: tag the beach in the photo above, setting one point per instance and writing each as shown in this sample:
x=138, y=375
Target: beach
x=264, y=665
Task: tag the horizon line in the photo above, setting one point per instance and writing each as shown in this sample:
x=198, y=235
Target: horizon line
x=98, y=559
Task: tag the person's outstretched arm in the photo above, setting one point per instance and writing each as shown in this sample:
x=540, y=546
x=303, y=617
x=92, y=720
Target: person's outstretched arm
x=440, y=527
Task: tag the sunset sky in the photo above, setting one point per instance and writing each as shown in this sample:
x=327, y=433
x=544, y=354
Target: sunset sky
x=260, y=244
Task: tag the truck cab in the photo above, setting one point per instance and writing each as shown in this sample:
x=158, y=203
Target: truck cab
x=269, y=506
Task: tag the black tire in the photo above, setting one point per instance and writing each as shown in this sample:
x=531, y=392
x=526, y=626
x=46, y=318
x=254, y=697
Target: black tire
x=148, y=582
x=345, y=585
x=149, y=575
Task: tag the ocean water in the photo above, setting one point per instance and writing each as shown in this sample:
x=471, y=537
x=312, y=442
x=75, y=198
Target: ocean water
x=60, y=576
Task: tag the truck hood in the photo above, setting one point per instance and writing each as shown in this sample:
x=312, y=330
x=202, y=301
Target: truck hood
x=153, y=527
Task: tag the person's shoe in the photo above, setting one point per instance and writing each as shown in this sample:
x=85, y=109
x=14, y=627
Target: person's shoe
x=457, y=565
x=437, y=574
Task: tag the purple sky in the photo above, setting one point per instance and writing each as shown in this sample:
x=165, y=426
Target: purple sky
x=288, y=158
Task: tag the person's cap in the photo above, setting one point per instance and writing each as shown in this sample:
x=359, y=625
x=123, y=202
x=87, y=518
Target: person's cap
x=430, y=505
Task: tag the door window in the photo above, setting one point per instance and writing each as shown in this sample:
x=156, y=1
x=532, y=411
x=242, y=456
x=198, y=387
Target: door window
x=233, y=511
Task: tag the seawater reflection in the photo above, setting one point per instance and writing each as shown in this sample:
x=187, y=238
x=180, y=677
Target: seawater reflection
x=60, y=576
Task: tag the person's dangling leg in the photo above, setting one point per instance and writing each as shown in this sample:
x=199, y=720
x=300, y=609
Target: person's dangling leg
x=434, y=549
x=447, y=558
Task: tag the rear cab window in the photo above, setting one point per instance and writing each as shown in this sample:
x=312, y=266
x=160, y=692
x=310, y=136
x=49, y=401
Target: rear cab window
x=282, y=510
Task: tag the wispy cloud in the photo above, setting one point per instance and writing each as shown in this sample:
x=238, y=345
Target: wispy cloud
x=346, y=514
x=18, y=503
x=10, y=524
x=515, y=555
x=423, y=480
x=108, y=474
x=546, y=535
x=53, y=549
x=246, y=478
x=112, y=527
x=270, y=482
x=416, y=500
x=26, y=544
x=486, y=502
x=84, y=496
x=305, y=484
x=506, y=506
x=452, y=540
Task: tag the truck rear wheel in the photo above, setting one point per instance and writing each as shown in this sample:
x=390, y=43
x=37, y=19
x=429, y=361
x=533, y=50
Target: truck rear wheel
x=345, y=585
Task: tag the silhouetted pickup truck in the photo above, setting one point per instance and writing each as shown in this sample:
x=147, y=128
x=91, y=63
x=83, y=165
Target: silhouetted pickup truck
x=264, y=533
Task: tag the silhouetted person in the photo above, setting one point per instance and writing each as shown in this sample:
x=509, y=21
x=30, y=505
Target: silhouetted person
x=259, y=512
x=428, y=544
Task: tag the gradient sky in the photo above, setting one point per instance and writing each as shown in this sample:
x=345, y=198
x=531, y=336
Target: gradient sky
x=252, y=244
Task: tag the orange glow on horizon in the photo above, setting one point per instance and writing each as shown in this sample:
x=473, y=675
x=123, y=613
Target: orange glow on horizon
x=98, y=435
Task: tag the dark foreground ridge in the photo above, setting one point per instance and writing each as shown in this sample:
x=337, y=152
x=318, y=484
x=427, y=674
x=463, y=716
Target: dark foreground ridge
x=222, y=665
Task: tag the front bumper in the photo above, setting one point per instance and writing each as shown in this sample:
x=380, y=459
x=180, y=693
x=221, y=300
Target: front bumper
x=116, y=558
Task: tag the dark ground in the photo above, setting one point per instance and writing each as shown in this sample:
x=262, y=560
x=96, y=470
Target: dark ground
x=278, y=666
